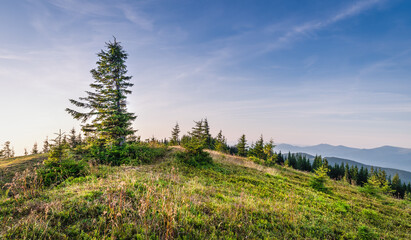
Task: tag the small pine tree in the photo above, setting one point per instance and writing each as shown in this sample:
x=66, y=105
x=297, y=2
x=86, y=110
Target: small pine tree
x=175, y=135
x=46, y=145
x=35, y=149
x=7, y=151
x=268, y=150
x=25, y=152
x=73, y=140
x=206, y=134
x=319, y=179
x=258, y=149
x=198, y=131
x=396, y=185
x=317, y=162
x=242, y=146
x=347, y=176
x=221, y=143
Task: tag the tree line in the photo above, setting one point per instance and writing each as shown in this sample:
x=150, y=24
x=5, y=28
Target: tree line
x=263, y=153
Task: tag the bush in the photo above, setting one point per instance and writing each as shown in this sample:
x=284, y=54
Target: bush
x=194, y=154
x=320, y=177
x=140, y=153
x=55, y=172
x=133, y=153
x=194, y=159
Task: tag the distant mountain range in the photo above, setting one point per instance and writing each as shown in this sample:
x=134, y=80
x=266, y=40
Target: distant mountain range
x=405, y=176
x=392, y=159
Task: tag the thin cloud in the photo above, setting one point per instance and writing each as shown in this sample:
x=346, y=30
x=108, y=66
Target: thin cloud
x=308, y=28
x=83, y=7
x=136, y=17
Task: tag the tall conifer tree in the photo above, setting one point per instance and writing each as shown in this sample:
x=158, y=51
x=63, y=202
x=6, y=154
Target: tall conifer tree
x=107, y=115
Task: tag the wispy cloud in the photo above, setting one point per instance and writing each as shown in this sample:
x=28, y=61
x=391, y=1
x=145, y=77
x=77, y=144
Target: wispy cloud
x=387, y=63
x=6, y=55
x=137, y=17
x=310, y=27
x=89, y=8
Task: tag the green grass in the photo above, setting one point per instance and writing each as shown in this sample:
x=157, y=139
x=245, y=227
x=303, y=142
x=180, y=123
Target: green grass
x=232, y=199
x=9, y=166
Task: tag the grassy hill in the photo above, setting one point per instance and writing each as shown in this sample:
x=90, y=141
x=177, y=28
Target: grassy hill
x=232, y=199
x=9, y=166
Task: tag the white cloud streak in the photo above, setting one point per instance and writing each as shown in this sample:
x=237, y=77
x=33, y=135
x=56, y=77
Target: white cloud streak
x=309, y=28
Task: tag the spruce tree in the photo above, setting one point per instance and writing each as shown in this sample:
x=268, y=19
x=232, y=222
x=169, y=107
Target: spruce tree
x=242, y=146
x=107, y=115
x=174, y=135
x=396, y=185
x=258, y=149
x=46, y=145
x=269, y=150
x=73, y=139
x=317, y=162
x=7, y=151
x=320, y=178
x=198, y=130
x=206, y=134
x=35, y=149
x=221, y=142
x=347, y=176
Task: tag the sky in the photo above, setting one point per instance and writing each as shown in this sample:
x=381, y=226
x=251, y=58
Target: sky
x=299, y=72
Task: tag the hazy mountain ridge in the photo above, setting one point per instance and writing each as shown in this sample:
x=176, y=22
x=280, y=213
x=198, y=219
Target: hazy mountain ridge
x=405, y=176
x=388, y=157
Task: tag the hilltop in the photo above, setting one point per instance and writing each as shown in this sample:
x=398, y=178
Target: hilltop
x=234, y=198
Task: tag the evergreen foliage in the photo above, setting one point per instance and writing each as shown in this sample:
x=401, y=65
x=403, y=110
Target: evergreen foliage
x=194, y=144
x=206, y=135
x=46, y=145
x=7, y=151
x=35, y=149
x=320, y=177
x=221, y=143
x=242, y=146
x=257, y=149
x=175, y=135
x=107, y=117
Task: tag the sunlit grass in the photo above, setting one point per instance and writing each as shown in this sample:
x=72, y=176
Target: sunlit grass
x=234, y=198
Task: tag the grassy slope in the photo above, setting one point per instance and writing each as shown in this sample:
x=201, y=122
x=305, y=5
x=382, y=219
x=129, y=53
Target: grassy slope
x=10, y=166
x=234, y=198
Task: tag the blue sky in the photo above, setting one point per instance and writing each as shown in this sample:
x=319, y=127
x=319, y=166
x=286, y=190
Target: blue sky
x=300, y=72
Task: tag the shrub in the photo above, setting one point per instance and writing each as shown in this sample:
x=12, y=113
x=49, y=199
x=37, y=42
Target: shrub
x=320, y=177
x=55, y=172
x=194, y=159
x=194, y=154
x=141, y=153
x=133, y=153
